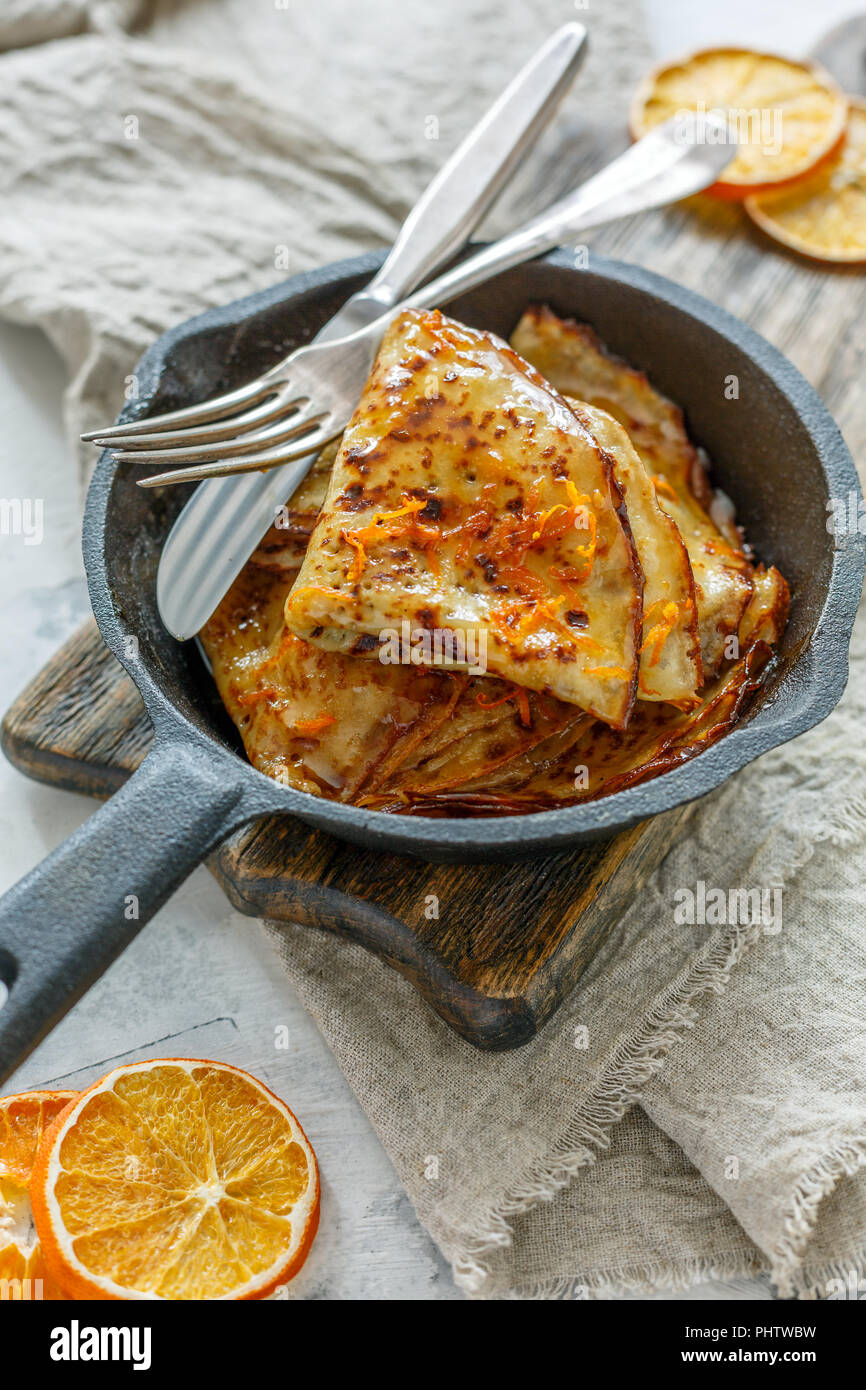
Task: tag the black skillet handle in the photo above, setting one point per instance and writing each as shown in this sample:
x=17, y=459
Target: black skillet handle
x=64, y=923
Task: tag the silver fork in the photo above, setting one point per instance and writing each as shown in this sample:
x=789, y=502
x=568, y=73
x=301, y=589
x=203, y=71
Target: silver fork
x=670, y=163
x=321, y=383
x=224, y=520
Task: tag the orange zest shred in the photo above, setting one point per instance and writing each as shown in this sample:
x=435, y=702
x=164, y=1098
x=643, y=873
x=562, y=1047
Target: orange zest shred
x=478, y=524
x=609, y=673
x=360, y=558
x=661, y=484
x=522, y=616
x=385, y=526
x=584, y=639
x=252, y=697
x=568, y=575
x=507, y=617
x=580, y=504
x=287, y=640
x=308, y=727
x=659, y=634
x=545, y=517
x=551, y=610
x=515, y=693
x=493, y=704
x=379, y=528
x=577, y=499
x=507, y=541
x=547, y=608
x=318, y=589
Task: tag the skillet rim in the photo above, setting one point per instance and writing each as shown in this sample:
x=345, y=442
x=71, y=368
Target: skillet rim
x=812, y=692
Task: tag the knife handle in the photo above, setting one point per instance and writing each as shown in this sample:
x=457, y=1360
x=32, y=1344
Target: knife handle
x=437, y=227
x=465, y=187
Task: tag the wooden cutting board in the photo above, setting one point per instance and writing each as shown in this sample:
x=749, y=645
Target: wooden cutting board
x=493, y=948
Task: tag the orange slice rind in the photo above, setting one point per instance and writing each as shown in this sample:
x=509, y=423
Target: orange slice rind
x=175, y=1179
x=823, y=215
x=23, y=1121
x=785, y=116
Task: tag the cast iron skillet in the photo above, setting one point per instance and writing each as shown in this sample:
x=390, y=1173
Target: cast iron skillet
x=777, y=453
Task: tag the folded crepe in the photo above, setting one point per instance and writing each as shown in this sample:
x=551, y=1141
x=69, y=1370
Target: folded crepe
x=670, y=649
x=331, y=725
x=467, y=498
x=585, y=758
x=578, y=365
x=316, y=721
x=326, y=717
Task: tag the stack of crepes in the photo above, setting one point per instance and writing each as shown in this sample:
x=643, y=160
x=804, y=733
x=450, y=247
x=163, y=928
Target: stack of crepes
x=510, y=586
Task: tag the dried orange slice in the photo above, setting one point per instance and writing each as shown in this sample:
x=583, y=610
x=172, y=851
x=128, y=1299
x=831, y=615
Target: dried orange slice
x=175, y=1179
x=786, y=116
x=23, y=1121
x=824, y=213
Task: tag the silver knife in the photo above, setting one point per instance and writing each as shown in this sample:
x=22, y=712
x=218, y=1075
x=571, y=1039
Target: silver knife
x=225, y=518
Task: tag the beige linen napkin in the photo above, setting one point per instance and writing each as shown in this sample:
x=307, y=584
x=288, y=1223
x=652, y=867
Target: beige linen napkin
x=758, y=1073
x=145, y=178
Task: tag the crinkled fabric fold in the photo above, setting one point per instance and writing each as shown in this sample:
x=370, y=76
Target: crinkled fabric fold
x=133, y=202
x=25, y=22
x=517, y=1164
x=148, y=177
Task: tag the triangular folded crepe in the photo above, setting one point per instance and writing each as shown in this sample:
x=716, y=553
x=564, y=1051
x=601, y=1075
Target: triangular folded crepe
x=316, y=721
x=658, y=738
x=670, y=650
x=468, y=499
x=578, y=365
